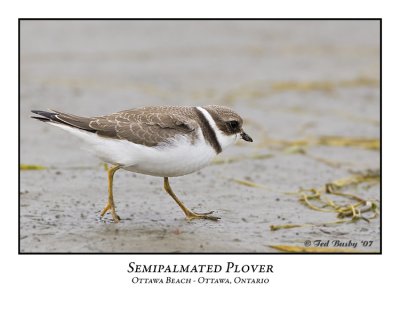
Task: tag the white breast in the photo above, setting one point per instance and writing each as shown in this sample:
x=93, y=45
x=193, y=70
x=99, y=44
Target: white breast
x=175, y=158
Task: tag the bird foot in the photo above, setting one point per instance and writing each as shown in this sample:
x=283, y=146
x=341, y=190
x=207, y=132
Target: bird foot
x=206, y=215
x=111, y=208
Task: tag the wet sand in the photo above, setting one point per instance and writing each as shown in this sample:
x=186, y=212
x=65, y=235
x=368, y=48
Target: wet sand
x=290, y=80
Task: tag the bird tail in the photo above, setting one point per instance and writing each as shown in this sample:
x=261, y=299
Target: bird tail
x=55, y=117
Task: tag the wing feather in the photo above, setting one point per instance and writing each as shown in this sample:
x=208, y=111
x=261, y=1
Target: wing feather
x=147, y=126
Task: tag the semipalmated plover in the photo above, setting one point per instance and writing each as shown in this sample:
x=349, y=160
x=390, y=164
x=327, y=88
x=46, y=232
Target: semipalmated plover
x=164, y=141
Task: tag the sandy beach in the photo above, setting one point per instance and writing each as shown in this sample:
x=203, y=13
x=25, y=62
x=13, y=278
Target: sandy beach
x=310, y=98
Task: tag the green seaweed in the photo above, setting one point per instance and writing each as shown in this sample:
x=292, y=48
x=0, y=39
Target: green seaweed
x=31, y=167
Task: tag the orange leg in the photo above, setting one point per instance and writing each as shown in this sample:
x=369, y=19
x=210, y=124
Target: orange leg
x=110, y=204
x=190, y=215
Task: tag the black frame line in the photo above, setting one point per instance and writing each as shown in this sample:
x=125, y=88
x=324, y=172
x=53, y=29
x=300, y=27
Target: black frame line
x=188, y=253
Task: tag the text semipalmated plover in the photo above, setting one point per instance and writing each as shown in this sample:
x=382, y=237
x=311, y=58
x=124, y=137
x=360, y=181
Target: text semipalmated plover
x=164, y=141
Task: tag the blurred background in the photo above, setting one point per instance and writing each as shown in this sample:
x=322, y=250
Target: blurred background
x=309, y=95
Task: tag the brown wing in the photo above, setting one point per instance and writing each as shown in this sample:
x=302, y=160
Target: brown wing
x=147, y=126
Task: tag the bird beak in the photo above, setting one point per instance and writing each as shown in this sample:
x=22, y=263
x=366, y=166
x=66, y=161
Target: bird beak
x=245, y=137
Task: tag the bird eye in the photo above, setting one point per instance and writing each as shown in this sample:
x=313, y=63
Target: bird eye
x=233, y=125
